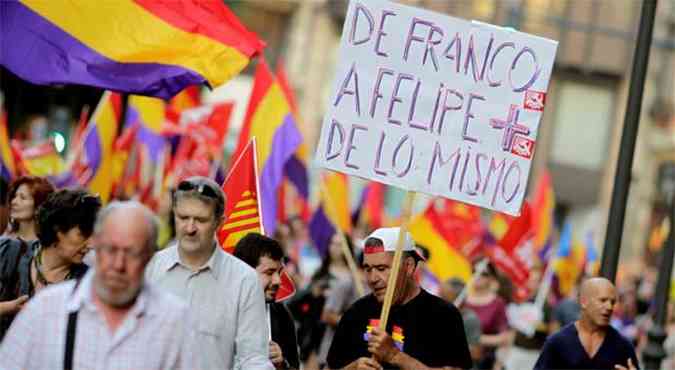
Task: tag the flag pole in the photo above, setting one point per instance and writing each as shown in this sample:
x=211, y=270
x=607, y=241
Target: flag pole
x=480, y=267
x=257, y=183
x=219, y=162
x=93, y=118
x=158, y=181
x=547, y=279
x=343, y=240
x=393, y=274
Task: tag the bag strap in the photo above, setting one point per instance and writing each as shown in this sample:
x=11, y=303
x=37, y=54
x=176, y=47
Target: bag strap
x=70, y=336
x=70, y=341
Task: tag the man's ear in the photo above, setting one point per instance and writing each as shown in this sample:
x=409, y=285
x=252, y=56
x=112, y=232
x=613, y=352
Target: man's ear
x=410, y=264
x=220, y=222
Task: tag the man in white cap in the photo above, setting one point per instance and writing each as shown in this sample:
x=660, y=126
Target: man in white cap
x=423, y=331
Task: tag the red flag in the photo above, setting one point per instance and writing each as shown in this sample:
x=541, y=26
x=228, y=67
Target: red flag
x=512, y=254
x=543, y=205
x=517, y=230
x=375, y=204
x=242, y=207
x=458, y=222
x=208, y=125
x=286, y=288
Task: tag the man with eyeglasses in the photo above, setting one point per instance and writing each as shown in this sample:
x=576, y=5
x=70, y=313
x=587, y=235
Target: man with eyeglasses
x=223, y=293
x=109, y=318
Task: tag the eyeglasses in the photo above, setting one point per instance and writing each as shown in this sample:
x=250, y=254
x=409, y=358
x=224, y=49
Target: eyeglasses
x=200, y=187
x=128, y=254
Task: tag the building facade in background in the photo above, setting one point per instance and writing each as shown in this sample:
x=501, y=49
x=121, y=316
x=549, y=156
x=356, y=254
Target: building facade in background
x=581, y=128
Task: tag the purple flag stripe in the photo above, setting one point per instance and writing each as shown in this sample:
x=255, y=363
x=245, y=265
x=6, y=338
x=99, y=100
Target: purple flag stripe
x=64, y=179
x=296, y=171
x=152, y=140
x=359, y=208
x=285, y=142
x=4, y=173
x=93, y=149
x=321, y=230
x=50, y=56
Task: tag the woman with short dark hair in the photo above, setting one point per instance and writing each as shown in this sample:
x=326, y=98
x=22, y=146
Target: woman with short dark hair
x=65, y=224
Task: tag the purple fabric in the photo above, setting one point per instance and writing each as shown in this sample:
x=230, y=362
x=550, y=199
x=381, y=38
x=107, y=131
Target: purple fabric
x=220, y=175
x=297, y=174
x=43, y=54
x=285, y=142
x=92, y=149
x=153, y=141
x=359, y=208
x=321, y=231
x=63, y=180
x=4, y=173
x=90, y=159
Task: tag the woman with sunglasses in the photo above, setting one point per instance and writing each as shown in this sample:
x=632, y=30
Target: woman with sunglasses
x=482, y=298
x=65, y=224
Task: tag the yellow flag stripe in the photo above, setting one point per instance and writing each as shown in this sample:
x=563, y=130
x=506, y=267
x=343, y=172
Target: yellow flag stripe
x=247, y=202
x=91, y=22
x=250, y=221
x=246, y=212
x=233, y=238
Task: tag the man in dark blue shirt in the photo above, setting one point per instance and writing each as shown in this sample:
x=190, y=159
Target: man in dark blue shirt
x=590, y=342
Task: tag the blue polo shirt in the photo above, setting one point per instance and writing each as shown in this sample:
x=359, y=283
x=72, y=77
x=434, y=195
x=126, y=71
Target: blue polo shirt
x=564, y=350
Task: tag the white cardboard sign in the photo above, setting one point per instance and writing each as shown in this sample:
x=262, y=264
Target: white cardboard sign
x=436, y=104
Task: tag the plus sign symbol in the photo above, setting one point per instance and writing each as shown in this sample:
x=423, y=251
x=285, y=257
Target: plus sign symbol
x=510, y=126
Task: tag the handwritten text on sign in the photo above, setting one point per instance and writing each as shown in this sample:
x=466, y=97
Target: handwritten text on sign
x=436, y=104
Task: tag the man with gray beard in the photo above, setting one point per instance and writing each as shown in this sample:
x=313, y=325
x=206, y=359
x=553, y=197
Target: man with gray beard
x=110, y=318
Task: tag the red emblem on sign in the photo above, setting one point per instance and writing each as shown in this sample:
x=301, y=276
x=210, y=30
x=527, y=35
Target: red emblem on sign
x=535, y=100
x=522, y=147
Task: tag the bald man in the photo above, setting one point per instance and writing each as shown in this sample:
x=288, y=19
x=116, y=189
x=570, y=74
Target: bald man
x=590, y=342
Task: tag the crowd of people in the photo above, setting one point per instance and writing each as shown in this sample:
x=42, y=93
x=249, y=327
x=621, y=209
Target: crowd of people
x=83, y=285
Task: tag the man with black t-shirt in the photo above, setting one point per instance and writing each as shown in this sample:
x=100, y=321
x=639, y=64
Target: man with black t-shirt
x=590, y=342
x=423, y=331
x=266, y=256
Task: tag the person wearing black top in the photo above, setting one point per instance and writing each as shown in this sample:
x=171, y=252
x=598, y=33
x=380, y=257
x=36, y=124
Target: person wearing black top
x=65, y=225
x=590, y=342
x=423, y=331
x=265, y=255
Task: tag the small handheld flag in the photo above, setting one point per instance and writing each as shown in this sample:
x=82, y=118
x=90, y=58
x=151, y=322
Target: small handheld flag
x=242, y=205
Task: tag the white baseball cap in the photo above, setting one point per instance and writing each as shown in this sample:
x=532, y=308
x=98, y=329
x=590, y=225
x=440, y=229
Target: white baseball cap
x=389, y=237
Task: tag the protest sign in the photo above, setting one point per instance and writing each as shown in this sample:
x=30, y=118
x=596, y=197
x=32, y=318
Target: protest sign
x=436, y=104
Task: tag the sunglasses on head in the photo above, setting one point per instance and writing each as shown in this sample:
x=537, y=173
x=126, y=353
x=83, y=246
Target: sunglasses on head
x=89, y=198
x=201, y=188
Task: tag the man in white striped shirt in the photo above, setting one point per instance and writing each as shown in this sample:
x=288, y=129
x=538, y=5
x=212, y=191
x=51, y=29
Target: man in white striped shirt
x=117, y=321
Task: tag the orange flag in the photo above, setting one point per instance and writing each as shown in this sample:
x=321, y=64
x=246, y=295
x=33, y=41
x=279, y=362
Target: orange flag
x=242, y=206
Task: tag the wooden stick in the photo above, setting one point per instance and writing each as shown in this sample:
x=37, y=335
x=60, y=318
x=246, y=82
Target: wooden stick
x=358, y=283
x=480, y=267
x=393, y=273
x=343, y=241
x=545, y=285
